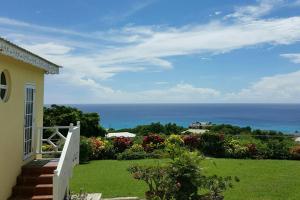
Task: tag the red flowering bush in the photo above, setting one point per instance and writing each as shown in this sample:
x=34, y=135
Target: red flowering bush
x=122, y=143
x=252, y=150
x=152, y=141
x=295, y=152
x=97, y=146
x=192, y=141
x=100, y=149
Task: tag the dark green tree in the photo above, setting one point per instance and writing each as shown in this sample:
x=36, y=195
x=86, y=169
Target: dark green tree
x=57, y=115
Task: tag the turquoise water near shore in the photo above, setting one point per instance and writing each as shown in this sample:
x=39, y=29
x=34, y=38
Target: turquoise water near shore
x=280, y=117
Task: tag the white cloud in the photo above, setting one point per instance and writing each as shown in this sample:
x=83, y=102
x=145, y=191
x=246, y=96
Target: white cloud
x=98, y=56
x=294, y=57
x=251, y=12
x=50, y=48
x=282, y=88
x=179, y=93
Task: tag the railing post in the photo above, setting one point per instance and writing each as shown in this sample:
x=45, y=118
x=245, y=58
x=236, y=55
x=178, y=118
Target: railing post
x=71, y=127
x=55, y=186
x=78, y=143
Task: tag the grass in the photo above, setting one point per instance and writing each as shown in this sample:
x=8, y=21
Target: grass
x=259, y=179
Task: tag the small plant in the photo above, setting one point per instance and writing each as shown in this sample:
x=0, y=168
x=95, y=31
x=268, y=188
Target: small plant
x=80, y=196
x=181, y=179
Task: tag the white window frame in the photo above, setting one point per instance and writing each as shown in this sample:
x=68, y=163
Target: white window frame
x=33, y=129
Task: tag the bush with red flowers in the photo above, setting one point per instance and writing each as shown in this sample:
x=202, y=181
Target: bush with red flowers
x=295, y=152
x=252, y=150
x=152, y=142
x=192, y=141
x=121, y=144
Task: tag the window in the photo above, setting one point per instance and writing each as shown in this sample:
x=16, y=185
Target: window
x=4, y=86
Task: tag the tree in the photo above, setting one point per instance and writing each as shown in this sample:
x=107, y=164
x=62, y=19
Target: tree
x=56, y=115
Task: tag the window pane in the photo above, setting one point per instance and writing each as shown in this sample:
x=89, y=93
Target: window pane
x=3, y=79
x=2, y=93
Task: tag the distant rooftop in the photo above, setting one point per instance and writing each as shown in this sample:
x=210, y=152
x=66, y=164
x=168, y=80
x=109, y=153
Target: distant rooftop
x=121, y=134
x=7, y=48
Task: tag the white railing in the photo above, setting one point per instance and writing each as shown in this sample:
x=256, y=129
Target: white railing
x=68, y=159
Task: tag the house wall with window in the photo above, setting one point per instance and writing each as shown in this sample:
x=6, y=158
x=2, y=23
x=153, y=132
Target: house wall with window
x=12, y=106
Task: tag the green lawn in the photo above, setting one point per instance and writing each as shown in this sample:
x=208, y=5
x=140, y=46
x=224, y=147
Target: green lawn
x=260, y=179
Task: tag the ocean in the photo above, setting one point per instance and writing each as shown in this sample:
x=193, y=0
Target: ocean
x=280, y=117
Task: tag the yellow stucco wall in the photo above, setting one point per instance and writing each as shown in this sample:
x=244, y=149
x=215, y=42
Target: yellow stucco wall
x=12, y=120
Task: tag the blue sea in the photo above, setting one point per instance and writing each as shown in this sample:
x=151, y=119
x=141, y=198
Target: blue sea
x=280, y=117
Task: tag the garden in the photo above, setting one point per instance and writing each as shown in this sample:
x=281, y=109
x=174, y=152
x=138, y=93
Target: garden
x=161, y=163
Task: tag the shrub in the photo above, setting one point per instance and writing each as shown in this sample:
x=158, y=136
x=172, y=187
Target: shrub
x=98, y=146
x=152, y=141
x=181, y=179
x=279, y=149
x=174, y=140
x=136, y=148
x=295, y=152
x=192, y=141
x=129, y=155
x=252, y=150
x=121, y=144
x=234, y=149
x=157, y=179
x=213, y=144
x=85, y=150
x=101, y=149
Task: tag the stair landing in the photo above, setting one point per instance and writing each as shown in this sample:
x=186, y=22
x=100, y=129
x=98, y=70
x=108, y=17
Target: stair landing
x=35, y=181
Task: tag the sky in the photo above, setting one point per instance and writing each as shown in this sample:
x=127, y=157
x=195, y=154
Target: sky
x=162, y=51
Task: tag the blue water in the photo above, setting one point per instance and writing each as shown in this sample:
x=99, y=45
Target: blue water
x=281, y=117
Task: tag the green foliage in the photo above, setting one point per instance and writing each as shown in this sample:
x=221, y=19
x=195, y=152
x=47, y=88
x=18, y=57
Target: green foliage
x=260, y=179
x=85, y=150
x=158, y=128
x=129, y=155
x=212, y=144
x=174, y=140
x=101, y=149
x=56, y=115
x=234, y=149
x=228, y=129
x=136, y=148
x=181, y=179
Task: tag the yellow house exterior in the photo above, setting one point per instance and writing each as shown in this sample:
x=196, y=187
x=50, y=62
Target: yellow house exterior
x=21, y=70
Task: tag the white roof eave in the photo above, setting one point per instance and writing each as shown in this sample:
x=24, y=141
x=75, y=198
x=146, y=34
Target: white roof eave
x=9, y=49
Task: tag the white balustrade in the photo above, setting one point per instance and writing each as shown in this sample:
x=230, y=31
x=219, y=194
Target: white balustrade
x=68, y=159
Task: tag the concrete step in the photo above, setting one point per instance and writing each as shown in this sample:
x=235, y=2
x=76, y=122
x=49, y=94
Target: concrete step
x=37, y=197
x=35, y=179
x=31, y=190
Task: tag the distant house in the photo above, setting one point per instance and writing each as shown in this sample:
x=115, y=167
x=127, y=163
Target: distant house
x=121, y=134
x=21, y=127
x=200, y=125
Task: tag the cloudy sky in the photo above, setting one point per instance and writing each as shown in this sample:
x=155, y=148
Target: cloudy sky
x=162, y=51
